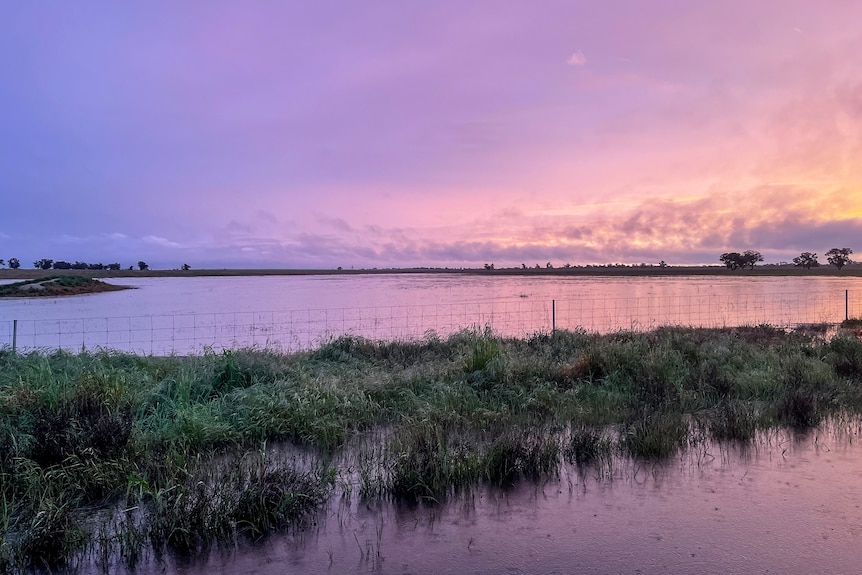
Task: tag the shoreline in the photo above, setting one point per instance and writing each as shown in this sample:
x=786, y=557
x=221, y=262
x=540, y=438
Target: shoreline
x=57, y=286
x=671, y=271
x=191, y=444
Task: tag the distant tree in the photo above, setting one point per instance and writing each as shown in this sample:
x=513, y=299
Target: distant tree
x=2, y=263
x=523, y=266
x=99, y=266
x=14, y=264
x=751, y=257
x=662, y=264
x=80, y=265
x=733, y=260
x=839, y=257
x=43, y=264
x=114, y=266
x=143, y=266
x=549, y=266
x=736, y=260
x=806, y=260
x=538, y=267
x=187, y=267
x=567, y=265
x=61, y=265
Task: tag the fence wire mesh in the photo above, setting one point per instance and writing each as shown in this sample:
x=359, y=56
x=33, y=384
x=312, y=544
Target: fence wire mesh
x=294, y=330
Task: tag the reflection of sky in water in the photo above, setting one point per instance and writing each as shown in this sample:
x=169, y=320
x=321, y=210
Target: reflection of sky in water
x=184, y=314
x=789, y=505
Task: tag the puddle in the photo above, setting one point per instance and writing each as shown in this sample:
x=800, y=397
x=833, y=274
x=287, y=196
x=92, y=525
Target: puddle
x=789, y=503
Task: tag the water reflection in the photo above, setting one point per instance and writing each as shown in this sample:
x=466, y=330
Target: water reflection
x=184, y=315
x=789, y=502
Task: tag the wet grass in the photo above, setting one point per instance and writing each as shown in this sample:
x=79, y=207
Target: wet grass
x=53, y=286
x=114, y=454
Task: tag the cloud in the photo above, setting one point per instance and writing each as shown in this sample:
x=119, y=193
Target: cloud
x=577, y=59
x=337, y=224
x=163, y=242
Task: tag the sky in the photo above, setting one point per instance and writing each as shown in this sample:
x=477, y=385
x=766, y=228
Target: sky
x=442, y=133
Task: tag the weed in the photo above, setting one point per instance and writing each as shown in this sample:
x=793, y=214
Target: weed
x=516, y=455
x=586, y=446
x=845, y=355
x=428, y=460
x=733, y=420
x=654, y=435
x=798, y=409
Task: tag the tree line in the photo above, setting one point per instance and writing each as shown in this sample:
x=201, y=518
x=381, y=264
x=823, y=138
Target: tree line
x=838, y=257
x=49, y=264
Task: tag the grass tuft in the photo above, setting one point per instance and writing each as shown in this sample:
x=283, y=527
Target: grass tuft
x=654, y=435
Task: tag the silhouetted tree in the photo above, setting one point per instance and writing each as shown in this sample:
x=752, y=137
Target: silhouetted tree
x=61, y=265
x=2, y=263
x=736, y=260
x=662, y=264
x=43, y=264
x=733, y=260
x=114, y=266
x=143, y=266
x=839, y=257
x=549, y=266
x=806, y=260
x=14, y=264
x=751, y=257
x=187, y=267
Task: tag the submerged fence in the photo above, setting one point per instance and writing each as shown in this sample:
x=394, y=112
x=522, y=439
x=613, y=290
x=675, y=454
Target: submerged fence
x=293, y=330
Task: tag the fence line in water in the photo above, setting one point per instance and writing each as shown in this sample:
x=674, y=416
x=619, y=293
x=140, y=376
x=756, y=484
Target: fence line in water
x=292, y=330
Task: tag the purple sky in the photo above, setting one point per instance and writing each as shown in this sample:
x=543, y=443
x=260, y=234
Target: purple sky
x=418, y=133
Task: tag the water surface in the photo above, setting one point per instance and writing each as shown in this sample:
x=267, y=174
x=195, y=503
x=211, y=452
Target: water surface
x=183, y=315
x=789, y=504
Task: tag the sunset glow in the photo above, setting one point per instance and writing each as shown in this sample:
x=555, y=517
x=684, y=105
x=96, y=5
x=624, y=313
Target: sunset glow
x=392, y=134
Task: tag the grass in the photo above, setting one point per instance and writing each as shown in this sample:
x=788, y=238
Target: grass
x=122, y=453
x=53, y=286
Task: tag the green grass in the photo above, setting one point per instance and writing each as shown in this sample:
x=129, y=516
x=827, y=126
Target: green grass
x=122, y=453
x=57, y=285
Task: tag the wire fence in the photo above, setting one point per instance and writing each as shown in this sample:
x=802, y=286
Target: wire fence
x=294, y=330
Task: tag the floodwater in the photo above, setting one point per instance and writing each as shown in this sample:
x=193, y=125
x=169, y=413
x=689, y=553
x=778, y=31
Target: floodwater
x=788, y=504
x=184, y=315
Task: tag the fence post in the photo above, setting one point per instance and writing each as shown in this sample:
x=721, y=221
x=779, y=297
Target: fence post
x=553, y=316
x=846, y=304
x=14, y=335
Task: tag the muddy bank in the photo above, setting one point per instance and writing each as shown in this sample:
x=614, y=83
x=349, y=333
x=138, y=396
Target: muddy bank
x=56, y=286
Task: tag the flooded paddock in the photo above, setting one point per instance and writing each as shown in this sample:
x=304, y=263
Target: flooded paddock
x=788, y=503
x=289, y=313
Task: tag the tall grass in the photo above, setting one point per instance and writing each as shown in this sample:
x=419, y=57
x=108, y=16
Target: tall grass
x=174, y=442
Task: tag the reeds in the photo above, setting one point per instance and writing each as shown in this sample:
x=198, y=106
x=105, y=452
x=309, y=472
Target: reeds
x=172, y=444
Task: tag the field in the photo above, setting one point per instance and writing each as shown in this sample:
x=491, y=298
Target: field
x=109, y=456
x=853, y=270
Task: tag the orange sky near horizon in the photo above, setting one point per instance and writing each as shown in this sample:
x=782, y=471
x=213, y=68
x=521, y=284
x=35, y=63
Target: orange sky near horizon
x=393, y=135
